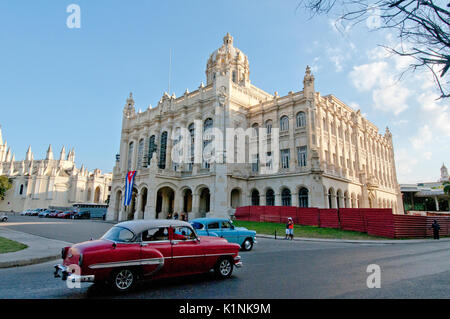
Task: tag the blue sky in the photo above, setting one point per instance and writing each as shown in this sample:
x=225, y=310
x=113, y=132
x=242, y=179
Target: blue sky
x=68, y=86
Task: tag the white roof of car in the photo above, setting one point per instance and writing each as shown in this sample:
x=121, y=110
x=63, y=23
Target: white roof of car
x=138, y=226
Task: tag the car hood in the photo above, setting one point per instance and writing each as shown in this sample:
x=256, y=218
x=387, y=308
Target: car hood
x=93, y=245
x=243, y=229
x=212, y=239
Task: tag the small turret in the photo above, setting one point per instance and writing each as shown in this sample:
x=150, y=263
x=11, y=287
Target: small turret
x=62, y=155
x=29, y=155
x=49, y=155
x=308, y=83
x=129, y=109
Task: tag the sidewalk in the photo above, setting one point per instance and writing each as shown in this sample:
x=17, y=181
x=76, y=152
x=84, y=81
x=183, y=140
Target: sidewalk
x=354, y=241
x=39, y=249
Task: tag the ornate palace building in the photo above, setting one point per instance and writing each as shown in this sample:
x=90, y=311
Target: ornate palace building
x=328, y=154
x=50, y=181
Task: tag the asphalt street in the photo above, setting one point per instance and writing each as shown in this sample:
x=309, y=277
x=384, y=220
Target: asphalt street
x=273, y=269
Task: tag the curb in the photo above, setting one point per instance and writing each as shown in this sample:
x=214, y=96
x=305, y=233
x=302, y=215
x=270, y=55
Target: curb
x=28, y=262
x=354, y=241
x=40, y=249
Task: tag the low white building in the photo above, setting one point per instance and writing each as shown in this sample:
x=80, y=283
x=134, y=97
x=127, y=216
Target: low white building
x=50, y=181
x=328, y=154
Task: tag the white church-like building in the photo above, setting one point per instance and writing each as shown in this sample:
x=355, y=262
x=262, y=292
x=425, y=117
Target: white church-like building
x=329, y=155
x=49, y=182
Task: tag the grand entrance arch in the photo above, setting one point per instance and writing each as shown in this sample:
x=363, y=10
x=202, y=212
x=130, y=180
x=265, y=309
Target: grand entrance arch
x=132, y=208
x=205, y=202
x=97, y=194
x=142, y=203
x=165, y=199
x=187, y=200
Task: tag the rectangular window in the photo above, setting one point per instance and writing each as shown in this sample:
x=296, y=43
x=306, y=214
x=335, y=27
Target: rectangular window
x=301, y=155
x=285, y=156
x=255, y=163
x=269, y=160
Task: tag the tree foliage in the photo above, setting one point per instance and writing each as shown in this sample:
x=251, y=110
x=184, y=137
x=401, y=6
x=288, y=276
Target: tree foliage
x=422, y=27
x=5, y=185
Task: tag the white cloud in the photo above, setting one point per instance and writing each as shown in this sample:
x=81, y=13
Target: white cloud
x=423, y=137
x=365, y=77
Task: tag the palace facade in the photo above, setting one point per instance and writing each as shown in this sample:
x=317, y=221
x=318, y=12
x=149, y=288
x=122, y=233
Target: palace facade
x=328, y=155
x=55, y=182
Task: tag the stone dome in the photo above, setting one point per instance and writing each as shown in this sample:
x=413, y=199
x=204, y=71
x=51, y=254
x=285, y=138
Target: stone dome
x=229, y=59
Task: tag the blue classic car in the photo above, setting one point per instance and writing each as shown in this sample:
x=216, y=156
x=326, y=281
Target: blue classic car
x=222, y=227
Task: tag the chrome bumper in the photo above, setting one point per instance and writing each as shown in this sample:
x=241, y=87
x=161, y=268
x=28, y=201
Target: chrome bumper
x=237, y=262
x=62, y=272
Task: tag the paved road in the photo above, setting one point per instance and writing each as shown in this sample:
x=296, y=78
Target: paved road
x=274, y=269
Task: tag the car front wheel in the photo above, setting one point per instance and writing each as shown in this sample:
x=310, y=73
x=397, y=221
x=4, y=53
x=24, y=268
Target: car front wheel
x=224, y=268
x=247, y=245
x=123, y=280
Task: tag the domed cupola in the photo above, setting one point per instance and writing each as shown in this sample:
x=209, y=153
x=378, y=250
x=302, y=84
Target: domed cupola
x=228, y=61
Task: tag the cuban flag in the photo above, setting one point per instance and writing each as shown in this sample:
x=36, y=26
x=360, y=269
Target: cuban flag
x=129, y=183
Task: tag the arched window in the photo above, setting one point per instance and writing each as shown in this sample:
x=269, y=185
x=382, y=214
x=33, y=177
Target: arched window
x=255, y=130
x=163, y=151
x=130, y=155
x=330, y=198
x=207, y=139
x=284, y=123
x=303, y=197
x=270, y=197
x=177, y=152
x=269, y=126
x=301, y=119
x=286, y=197
x=191, y=129
x=255, y=197
x=151, y=148
x=140, y=153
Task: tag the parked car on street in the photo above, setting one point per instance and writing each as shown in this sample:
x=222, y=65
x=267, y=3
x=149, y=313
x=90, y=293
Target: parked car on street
x=81, y=215
x=45, y=213
x=66, y=214
x=36, y=212
x=25, y=212
x=141, y=249
x=54, y=214
x=3, y=218
x=222, y=227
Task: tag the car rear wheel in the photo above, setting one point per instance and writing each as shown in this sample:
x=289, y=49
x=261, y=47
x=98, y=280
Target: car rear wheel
x=224, y=268
x=247, y=245
x=123, y=280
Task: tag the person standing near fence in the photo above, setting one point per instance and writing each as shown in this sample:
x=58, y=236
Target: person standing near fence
x=290, y=229
x=436, y=227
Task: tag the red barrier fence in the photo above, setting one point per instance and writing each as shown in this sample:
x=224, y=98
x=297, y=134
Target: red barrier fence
x=374, y=221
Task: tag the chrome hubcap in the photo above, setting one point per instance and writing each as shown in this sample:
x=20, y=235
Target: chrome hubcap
x=225, y=267
x=124, y=279
x=247, y=244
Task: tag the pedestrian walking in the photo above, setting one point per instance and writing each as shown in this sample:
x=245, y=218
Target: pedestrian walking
x=436, y=228
x=290, y=229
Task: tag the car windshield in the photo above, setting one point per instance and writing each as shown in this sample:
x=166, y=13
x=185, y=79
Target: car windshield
x=119, y=234
x=197, y=225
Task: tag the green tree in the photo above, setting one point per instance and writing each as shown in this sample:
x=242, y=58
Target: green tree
x=446, y=188
x=5, y=184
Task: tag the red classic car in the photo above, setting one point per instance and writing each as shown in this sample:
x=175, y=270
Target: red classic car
x=135, y=250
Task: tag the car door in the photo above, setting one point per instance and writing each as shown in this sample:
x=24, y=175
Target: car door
x=156, y=251
x=187, y=252
x=229, y=232
x=213, y=228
